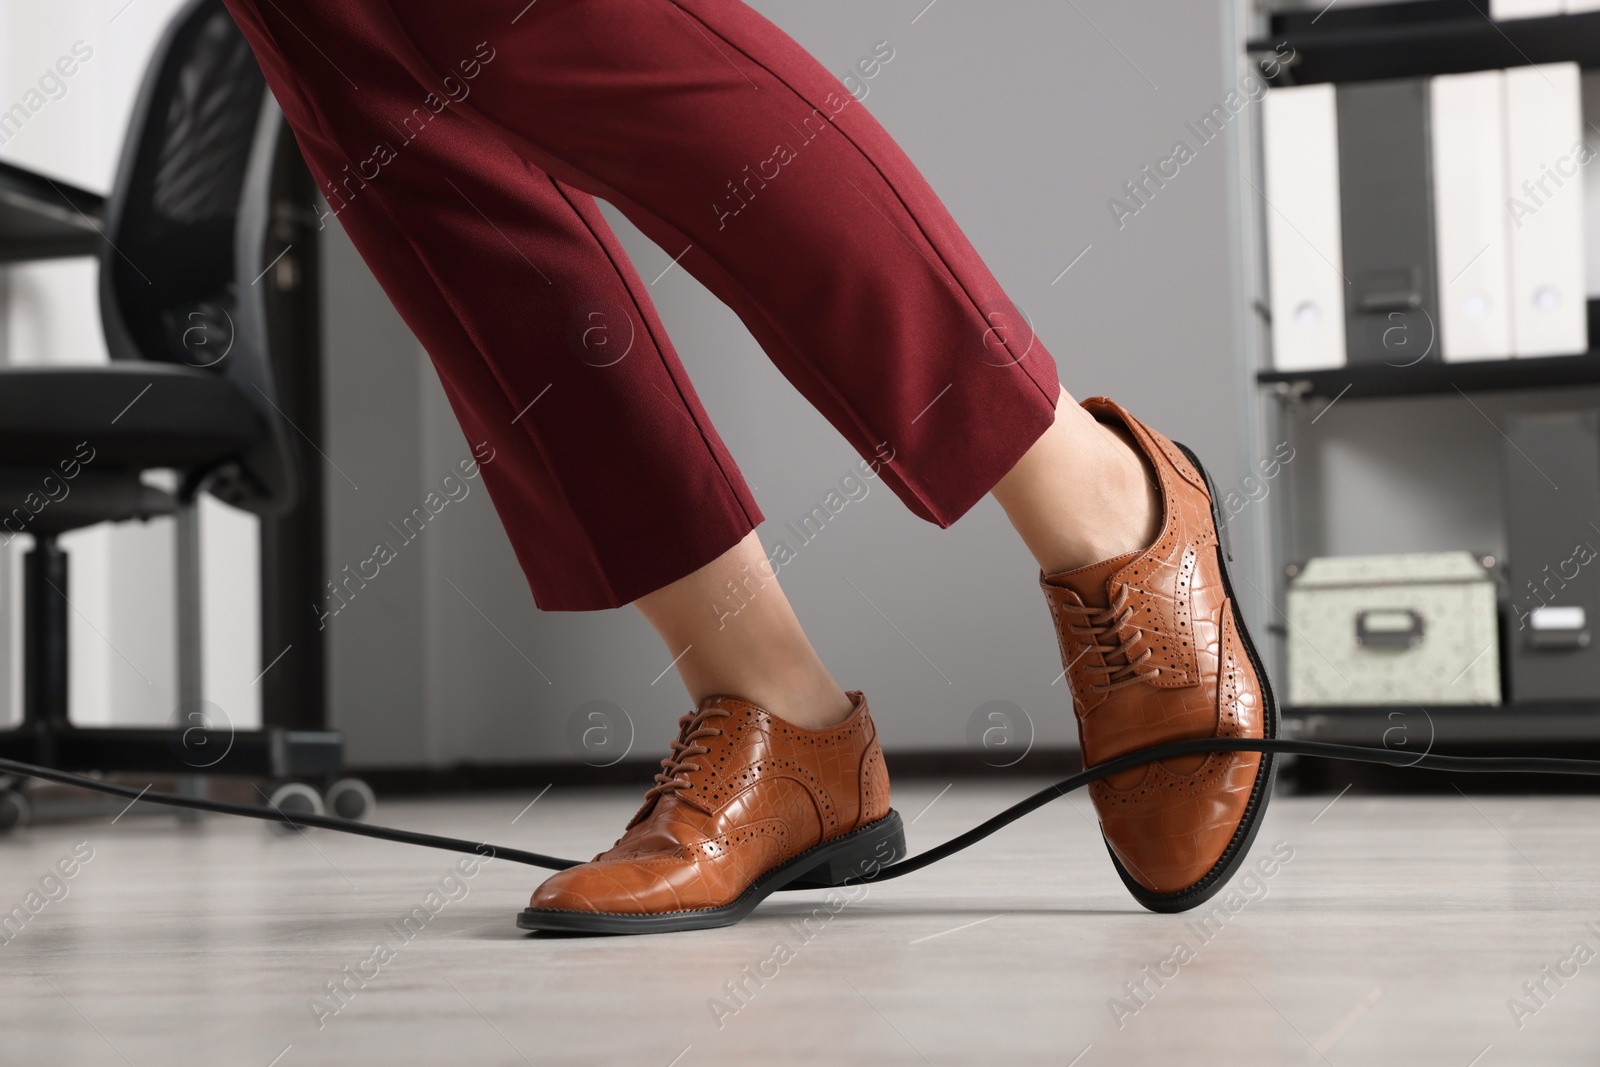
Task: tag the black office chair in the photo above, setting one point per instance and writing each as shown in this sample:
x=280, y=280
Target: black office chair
x=188, y=245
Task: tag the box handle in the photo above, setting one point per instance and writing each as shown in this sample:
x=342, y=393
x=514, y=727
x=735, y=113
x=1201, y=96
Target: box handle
x=1389, y=628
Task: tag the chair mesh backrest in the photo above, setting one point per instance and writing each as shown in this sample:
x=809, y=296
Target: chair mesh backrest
x=174, y=210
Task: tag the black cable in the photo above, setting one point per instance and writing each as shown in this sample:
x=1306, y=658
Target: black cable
x=1318, y=749
x=1278, y=746
x=268, y=814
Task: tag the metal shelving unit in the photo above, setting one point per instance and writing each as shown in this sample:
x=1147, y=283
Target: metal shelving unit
x=1360, y=43
x=1378, y=380
x=1367, y=42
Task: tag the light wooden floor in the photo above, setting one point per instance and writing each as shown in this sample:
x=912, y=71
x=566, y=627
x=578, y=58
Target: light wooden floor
x=1396, y=932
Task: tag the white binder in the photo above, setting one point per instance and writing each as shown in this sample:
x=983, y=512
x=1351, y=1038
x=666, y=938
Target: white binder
x=1590, y=109
x=1301, y=165
x=1524, y=9
x=1544, y=188
x=1470, y=223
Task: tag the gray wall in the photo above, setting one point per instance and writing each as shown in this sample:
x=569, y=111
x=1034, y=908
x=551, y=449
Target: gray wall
x=1410, y=475
x=373, y=394
x=1027, y=117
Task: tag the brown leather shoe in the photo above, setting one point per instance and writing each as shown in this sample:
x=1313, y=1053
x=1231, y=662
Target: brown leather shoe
x=1156, y=651
x=746, y=804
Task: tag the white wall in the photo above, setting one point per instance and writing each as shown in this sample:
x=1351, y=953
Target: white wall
x=122, y=577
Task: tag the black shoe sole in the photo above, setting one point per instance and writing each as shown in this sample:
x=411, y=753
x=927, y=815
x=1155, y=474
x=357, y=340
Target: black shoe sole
x=1239, y=846
x=861, y=851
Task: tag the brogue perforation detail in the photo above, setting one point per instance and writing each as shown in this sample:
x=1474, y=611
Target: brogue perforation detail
x=717, y=783
x=874, y=801
x=1181, y=462
x=1161, y=782
x=765, y=768
x=722, y=844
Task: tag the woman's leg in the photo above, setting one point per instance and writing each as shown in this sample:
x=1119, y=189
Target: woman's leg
x=750, y=164
x=724, y=140
x=610, y=480
x=753, y=168
x=1081, y=494
x=608, y=475
x=758, y=652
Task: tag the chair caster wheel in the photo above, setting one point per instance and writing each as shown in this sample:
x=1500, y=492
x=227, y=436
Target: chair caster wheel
x=295, y=798
x=350, y=798
x=16, y=812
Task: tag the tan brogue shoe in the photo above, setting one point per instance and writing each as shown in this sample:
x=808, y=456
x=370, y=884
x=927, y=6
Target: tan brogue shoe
x=1156, y=651
x=746, y=805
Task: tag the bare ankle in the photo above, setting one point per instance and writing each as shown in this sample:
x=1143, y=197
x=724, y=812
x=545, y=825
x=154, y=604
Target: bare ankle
x=758, y=653
x=1082, y=494
x=813, y=710
x=1136, y=513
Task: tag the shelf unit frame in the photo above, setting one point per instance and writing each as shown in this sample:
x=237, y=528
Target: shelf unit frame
x=1410, y=38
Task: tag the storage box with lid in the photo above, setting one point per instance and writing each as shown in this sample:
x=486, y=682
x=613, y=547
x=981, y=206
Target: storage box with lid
x=1416, y=628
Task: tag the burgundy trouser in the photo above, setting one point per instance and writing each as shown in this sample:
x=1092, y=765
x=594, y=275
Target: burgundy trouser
x=461, y=146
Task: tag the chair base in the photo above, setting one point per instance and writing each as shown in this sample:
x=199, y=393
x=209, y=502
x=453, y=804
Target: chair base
x=270, y=753
x=48, y=738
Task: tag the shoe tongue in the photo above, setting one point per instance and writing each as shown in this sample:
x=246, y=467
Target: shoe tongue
x=1090, y=582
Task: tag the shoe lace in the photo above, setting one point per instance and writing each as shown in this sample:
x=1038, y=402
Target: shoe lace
x=691, y=728
x=1119, y=666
